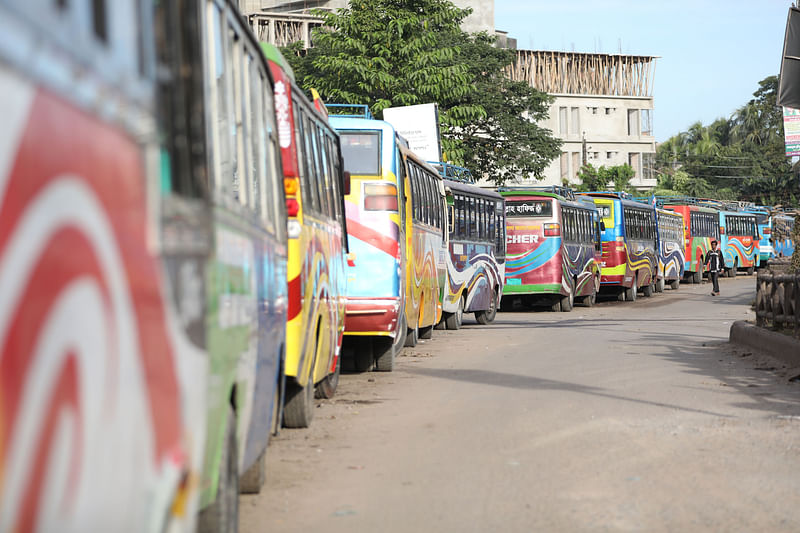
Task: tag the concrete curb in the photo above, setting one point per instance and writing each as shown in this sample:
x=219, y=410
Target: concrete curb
x=779, y=346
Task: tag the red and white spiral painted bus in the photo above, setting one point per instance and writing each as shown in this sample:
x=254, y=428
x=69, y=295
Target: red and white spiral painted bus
x=102, y=251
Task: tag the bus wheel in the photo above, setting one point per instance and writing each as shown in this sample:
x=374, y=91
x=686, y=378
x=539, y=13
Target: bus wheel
x=412, y=337
x=675, y=284
x=223, y=513
x=441, y=324
x=750, y=270
x=648, y=290
x=556, y=307
x=567, y=302
x=299, y=407
x=454, y=320
x=487, y=316
x=697, y=277
x=630, y=294
x=426, y=332
x=660, y=284
x=327, y=387
x=384, y=353
x=590, y=300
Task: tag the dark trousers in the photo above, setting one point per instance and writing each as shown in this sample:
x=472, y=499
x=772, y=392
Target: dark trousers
x=715, y=280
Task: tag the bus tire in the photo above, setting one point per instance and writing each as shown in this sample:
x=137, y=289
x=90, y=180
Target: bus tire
x=253, y=479
x=412, y=337
x=298, y=410
x=567, y=303
x=327, y=387
x=441, y=324
x=487, y=316
x=648, y=290
x=697, y=277
x=660, y=285
x=750, y=270
x=556, y=307
x=426, y=332
x=384, y=355
x=590, y=300
x=675, y=284
x=454, y=320
x=223, y=513
x=630, y=294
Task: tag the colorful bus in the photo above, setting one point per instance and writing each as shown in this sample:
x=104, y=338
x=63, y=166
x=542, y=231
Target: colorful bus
x=764, y=225
x=629, y=260
x=782, y=231
x=426, y=246
x=476, y=258
x=552, y=246
x=315, y=184
x=103, y=246
x=247, y=300
x=375, y=327
x=701, y=226
x=738, y=241
x=671, y=247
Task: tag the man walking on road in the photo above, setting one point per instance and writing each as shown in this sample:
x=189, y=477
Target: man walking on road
x=716, y=262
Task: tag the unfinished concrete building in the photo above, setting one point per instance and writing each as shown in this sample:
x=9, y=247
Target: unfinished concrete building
x=603, y=110
x=286, y=21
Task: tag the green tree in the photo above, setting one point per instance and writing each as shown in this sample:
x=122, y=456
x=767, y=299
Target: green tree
x=739, y=158
x=600, y=178
x=388, y=53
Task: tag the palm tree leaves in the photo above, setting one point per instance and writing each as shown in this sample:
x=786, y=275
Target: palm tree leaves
x=737, y=158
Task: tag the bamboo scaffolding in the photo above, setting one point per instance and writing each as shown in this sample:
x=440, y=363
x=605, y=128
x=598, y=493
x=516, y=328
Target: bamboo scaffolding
x=283, y=29
x=579, y=73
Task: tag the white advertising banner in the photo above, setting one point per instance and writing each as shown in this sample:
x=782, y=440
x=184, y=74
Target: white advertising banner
x=419, y=125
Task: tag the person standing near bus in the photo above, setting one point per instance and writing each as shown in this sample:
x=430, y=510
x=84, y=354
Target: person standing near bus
x=716, y=263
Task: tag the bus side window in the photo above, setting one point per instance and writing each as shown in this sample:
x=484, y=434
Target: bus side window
x=415, y=191
x=274, y=203
x=473, y=219
x=401, y=186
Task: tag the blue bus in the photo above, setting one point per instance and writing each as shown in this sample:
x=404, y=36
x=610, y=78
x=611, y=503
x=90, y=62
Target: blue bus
x=781, y=237
x=629, y=259
x=671, y=245
x=764, y=224
x=738, y=236
x=477, y=247
x=375, y=325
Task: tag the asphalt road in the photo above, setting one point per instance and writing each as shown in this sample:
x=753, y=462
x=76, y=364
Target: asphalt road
x=623, y=417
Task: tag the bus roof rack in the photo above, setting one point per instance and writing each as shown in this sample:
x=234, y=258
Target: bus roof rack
x=619, y=194
x=565, y=192
x=453, y=172
x=360, y=110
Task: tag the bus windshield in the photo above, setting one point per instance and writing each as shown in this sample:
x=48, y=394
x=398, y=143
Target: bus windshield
x=361, y=152
x=529, y=208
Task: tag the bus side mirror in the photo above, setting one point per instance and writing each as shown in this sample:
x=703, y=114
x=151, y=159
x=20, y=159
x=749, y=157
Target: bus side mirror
x=452, y=217
x=602, y=226
x=346, y=183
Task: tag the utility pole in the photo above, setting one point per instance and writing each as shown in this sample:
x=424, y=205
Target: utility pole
x=583, y=148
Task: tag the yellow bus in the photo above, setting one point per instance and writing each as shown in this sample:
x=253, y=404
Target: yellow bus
x=426, y=246
x=315, y=185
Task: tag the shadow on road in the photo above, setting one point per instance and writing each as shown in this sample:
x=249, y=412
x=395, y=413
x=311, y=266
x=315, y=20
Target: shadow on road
x=515, y=381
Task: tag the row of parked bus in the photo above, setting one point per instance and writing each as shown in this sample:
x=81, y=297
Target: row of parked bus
x=188, y=244
x=565, y=248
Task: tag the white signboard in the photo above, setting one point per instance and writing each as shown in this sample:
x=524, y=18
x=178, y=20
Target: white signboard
x=419, y=125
